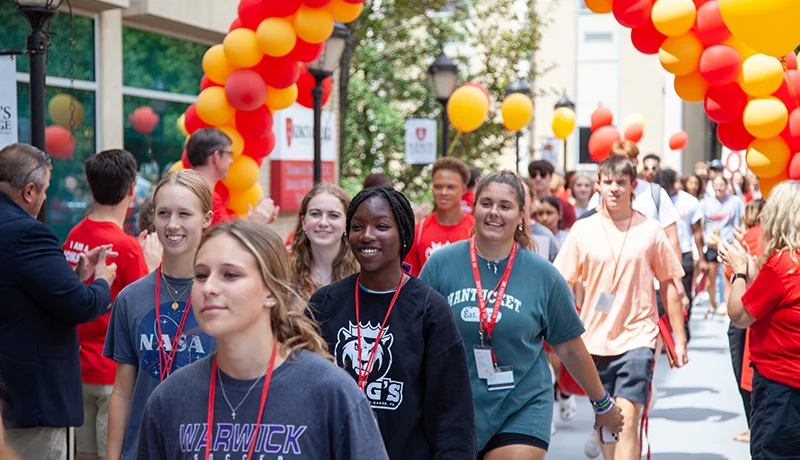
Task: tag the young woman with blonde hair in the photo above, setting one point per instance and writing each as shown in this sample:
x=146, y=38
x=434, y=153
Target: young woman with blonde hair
x=271, y=386
x=152, y=331
x=321, y=254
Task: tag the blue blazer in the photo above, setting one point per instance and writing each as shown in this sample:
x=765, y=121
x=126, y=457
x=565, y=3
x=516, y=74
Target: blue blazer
x=41, y=302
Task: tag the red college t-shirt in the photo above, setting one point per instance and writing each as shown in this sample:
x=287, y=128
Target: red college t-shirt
x=774, y=301
x=431, y=236
x=220, y=210
x=468, y=202
x=88, y=234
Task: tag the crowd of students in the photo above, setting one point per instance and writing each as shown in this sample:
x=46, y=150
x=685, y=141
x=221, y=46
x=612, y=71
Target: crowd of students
x=377, y=331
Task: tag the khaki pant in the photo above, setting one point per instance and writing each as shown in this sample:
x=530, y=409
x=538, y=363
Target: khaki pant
x=92, y=436
x=38, y=443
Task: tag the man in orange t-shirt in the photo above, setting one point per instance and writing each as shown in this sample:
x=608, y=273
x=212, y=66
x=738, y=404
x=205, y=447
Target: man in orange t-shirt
x=448, y=223
x=616, y=253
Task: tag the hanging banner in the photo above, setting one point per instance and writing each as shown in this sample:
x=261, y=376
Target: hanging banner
x=420, y=141
x=8, y=101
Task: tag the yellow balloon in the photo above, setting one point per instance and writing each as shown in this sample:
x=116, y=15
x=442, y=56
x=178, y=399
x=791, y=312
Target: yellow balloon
x=238, y=200
x=242, y=174
x=563, y=122
x=767, y=26
x=765, y=185
x=216, y=65
x=680, y=55
x=241, y=48
x=743, y=50
x=279, y=99
x=599, y=6
x=691, y=87
x=344, y=12
x=276, y=37
x=181, y=123
x=313, y=25
x=673, y=17
x=768, y=158
x=517, y=111
x=213, y=107
x=765, y=117
x=633, y=119
x=177, y=166
x=237, y=141
x=761, y=75
x=66, y=111
x=467, y=108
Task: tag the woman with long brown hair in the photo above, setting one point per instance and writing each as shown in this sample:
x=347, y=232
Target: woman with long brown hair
x=271, y=386
x=321, y=254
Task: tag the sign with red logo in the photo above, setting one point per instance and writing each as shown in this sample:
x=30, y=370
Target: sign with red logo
x=421, y=141
x=421, y=132
x=290, y=180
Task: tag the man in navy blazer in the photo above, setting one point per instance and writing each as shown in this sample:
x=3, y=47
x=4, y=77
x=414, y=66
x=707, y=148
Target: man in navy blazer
x=41, y=301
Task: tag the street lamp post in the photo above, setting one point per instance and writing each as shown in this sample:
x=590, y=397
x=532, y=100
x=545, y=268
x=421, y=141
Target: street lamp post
x=565, y=102
x=322, y=68
x=38, y=13
x=443, y=78
x=519, y=86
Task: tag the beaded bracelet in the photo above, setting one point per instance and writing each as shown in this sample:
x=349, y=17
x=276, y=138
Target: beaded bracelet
x=606, y=410
x=603, y=403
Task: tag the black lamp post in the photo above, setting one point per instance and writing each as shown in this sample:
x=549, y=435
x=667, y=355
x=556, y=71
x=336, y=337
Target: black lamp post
x=519, y=86
x=38, y=13
x=565, y=102
x=320, y=69
x=443, y=78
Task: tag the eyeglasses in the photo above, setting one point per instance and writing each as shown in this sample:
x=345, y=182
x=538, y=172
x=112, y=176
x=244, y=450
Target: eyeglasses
x=46, y=161
x=651, y=168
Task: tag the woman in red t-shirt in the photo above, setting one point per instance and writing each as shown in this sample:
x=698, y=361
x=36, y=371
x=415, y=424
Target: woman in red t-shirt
x=770, y=307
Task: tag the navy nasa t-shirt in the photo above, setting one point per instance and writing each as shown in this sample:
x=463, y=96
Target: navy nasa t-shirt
x=133, y=339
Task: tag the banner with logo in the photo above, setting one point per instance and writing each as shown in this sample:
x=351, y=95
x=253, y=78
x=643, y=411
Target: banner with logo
x=8, y=101
x=420, y=141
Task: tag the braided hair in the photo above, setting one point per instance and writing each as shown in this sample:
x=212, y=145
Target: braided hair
x=401, y=209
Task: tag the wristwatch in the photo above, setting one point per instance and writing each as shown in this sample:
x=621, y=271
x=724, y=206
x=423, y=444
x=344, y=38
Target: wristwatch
x=739, y=275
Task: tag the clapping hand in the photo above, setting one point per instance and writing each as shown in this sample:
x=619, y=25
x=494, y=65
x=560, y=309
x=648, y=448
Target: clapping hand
x=734, y=256
x=87, y=261
x=265, y=212
x=153, y=251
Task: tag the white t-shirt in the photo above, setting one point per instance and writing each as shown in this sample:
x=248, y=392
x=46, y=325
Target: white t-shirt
x=643, y=202
x=689, y=213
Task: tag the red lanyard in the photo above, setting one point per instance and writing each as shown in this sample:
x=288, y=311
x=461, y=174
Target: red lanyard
x=363, y=374
x=618, y=257
x=500, y=290
x=166, y=360
x=212, y=388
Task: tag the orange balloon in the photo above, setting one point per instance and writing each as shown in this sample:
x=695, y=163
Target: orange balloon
x=213, y=107
x=216, y=65
x=767, y=184
x=313, y=25
x=345, y=12
x=276, y=37
x=768, y=158
x=599, y=6
x=238, y=201
x=237, y=141
x=691, y=87
x=279, y=99
x=242, y=175
x=241, y=48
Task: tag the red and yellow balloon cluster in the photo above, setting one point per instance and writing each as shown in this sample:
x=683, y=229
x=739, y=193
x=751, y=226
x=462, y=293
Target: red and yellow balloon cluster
x=737, y=57
x=257, y=70
x=66, y=113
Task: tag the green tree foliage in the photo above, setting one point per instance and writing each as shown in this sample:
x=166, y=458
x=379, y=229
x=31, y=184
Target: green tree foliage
x=393, y=43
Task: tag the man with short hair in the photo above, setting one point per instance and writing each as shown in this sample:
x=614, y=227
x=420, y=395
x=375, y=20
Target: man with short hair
x=715, y=169
x=43, y=301
x=651, y=164
x=468, y=200
x=616, y=270
x=112, y=179
x=541, y=172
x=447, y=223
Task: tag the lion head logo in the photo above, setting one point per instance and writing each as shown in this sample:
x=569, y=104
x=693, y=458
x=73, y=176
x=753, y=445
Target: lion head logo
x=347, y=350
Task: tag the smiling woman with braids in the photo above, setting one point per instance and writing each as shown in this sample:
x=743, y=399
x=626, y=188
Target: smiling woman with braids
x=397, y=337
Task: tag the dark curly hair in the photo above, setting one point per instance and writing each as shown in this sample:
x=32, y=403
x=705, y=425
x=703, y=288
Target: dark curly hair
x=401, y=209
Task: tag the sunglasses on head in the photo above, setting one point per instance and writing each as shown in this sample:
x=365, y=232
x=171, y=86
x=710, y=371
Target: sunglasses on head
x=47, y=160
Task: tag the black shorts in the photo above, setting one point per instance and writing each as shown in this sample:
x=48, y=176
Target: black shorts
x=775, y=417
x=510, y=439
x=711, y=254
x=628, y=375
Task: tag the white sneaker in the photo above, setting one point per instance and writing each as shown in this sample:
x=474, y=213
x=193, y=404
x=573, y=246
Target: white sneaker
x=568, y=407
x=592, y=448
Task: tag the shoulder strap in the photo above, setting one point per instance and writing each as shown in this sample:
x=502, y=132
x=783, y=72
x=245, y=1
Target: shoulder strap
x=655, y=190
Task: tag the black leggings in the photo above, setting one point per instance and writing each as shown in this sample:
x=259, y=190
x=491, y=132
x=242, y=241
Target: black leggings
x=736, y=341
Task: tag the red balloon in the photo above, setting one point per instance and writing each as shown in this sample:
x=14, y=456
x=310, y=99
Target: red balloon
x=306, y=52
x=482, y=88
x=632, y=13
x=679, y=140
x=258, y=149
x=791, y=61
x=792, y=132
x=725, y=103
x=785, y=93
x=708, y=26
x=192, y=121
x=316, y=3
x=305, y=84
x=245, y=90
x=59, y=142
x=254, y=124
x=144, y=120
x=634, y=133
x=699, y=3
x=185, y=160
x=600, y=142
x=236, y=24
x=206, y=82
x=794, y=167
x=734, y=135
x=278, y=72
x=720, y=64
x=281, y=8
x=647, y=39
x=251, y=13
x=601, y=117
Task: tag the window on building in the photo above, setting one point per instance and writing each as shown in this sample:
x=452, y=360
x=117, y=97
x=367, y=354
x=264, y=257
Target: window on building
x=584, y=133
x=70, y=72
